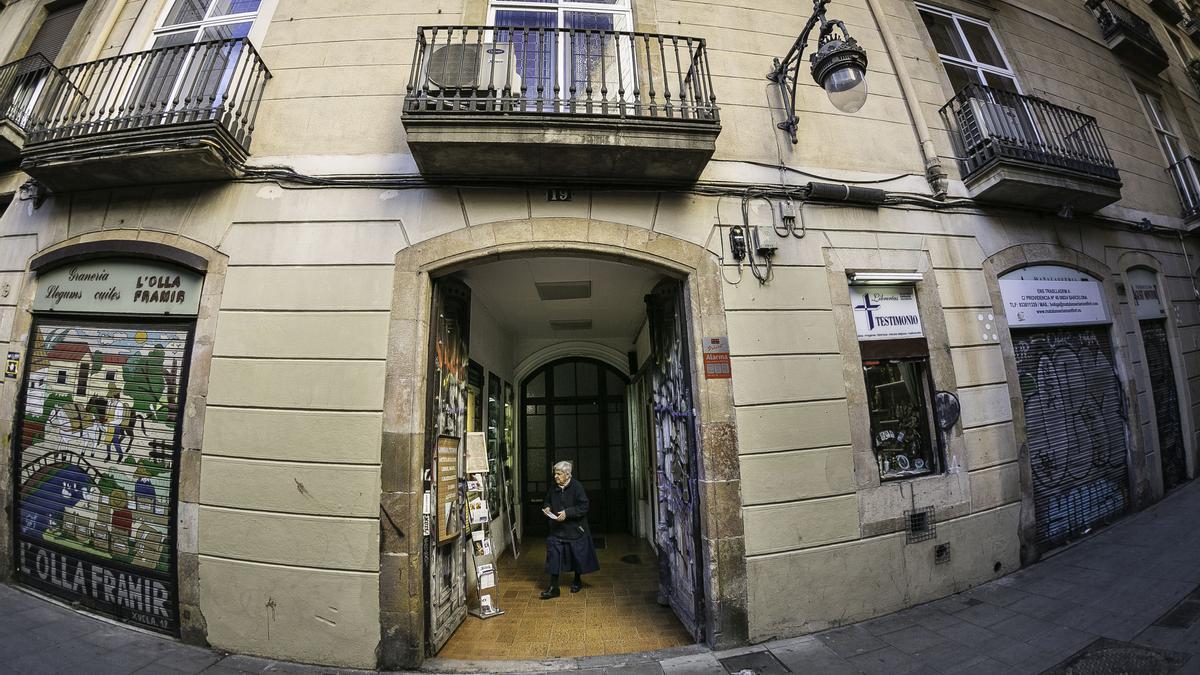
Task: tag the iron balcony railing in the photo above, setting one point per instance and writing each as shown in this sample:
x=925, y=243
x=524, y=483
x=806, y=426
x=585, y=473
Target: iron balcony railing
x=1116, y=18
x=219, y=81
x=988, y=125
x=571, y=72
x=22, y=84
x=1186, y=175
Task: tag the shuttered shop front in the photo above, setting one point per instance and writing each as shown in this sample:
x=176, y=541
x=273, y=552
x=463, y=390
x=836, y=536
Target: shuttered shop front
x=1075, y=412
x=98, y=438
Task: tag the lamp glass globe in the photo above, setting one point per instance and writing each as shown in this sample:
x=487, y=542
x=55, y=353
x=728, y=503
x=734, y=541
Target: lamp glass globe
x=847, y=88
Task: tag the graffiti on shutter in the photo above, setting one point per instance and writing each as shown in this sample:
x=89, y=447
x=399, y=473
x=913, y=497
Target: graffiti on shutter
x=446, y=562
x=677, y=528
x=97, y=466
x=1166, y=402
x=1075, y=423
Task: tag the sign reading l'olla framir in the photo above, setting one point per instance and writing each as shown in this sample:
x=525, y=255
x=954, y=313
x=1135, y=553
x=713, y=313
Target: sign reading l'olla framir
x=140, y=598
x=886, y=312
x=122, y=286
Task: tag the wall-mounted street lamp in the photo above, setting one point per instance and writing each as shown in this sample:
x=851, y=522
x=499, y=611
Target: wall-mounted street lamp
x=839, y=65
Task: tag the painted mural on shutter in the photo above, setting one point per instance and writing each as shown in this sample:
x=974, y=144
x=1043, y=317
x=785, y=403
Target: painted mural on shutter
x=98, y=441
x=678, y=528
x=445, y=561
x=1166, y=402
x=1075, y=417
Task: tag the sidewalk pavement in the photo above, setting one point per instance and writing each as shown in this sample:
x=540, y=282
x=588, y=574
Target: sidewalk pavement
x=1125, y=600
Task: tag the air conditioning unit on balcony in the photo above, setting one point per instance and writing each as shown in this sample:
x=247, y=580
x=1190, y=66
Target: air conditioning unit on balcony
x=1000, y=121
x=477, y=67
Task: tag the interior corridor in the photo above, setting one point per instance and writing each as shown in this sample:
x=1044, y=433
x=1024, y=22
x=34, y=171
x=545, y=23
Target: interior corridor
x=615, y=613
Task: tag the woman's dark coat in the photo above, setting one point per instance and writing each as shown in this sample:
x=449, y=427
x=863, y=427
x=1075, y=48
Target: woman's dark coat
x=569, y=546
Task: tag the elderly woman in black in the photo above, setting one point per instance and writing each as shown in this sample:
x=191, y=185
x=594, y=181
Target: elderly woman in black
x=569, y=546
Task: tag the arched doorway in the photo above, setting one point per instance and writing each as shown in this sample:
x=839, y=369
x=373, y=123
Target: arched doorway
x=575, y=410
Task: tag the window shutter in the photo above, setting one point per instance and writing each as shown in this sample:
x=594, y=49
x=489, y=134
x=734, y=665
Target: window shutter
x=53, y=33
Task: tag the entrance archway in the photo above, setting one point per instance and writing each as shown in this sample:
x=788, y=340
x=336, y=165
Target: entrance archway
x=404, y=640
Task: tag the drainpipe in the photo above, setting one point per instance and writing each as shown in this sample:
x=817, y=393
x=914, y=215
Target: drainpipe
x=935, y=173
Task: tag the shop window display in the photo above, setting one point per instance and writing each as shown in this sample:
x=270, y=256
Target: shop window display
x=902, y=432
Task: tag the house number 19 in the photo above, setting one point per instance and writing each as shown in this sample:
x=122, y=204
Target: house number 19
x=558, y=195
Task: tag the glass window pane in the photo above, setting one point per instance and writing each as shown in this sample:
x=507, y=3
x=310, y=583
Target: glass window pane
x=175, y=39
x=901, y=433
x=985, y=48
x=1000, y=82
x=589, y=430
x=227, y=31
x=535, y=431
x=960, y=77
x=186, y=11
x=225, y=7
x=946, y=38
x=536, y=388
x=613, y=383
x=564, y=379
x=564, y=431
x=586, y=379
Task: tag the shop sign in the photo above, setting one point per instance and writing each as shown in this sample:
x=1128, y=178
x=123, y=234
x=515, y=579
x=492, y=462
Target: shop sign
x=123, y=286
x=886, y=312
x=1051, y=296
x=10, y=366
x=716, y=359
x=1143, y=288
x=139, y=598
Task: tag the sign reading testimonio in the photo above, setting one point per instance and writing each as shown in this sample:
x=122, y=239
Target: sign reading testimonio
x=1052, y=296
x=885, y=312
x=119, y=287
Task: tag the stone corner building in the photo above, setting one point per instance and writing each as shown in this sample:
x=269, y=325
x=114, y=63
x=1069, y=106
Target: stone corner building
x=267, y=266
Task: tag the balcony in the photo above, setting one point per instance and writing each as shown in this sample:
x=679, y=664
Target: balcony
x=174, y=114
x=1186, y=176
x=21, y=82
x=1022, y=150
x=1130, y=37
x=490, y=103
x=1167, y=10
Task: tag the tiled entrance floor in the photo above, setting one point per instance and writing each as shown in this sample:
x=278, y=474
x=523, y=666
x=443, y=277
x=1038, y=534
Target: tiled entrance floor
x=615, y=613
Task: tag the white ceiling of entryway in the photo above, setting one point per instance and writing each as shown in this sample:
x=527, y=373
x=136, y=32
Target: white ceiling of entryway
x=616, y=308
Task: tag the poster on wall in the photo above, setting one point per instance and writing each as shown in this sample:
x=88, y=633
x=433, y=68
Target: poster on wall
x=1051, y=296
x=477, y=454
x=97, y=453
x=449, y=513
x=1143, y=290
x=886, y=312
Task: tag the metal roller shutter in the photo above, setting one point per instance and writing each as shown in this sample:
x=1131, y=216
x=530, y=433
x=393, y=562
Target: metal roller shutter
x=96, y=473
x=1166, y=402
x=1075, y=424
x=54, y=31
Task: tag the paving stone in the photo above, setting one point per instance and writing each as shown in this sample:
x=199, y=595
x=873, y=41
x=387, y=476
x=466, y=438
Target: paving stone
x=980, y=665
x=810, y=655
x=967, y=633
x=695, y=664
x=886, y=661
x=947, y=655
x=997, y=594
x=760, y=663
x=1014, y=652
x=985, y=615
x=914, y=639
x=1021, y=627
x=1061, y=638
x=851, y=641
x=934, y=619
x=888, y=624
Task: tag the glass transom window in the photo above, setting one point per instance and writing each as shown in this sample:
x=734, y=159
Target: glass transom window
x=189, y=21
x=969, y=50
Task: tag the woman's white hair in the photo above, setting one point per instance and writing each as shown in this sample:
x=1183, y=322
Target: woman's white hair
x=563, y=466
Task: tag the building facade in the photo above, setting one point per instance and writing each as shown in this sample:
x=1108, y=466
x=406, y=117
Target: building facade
x=267, y=266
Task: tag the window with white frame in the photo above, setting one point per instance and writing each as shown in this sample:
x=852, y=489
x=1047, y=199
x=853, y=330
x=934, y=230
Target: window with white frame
x=188, y=21
x=969, y=50
x=547, y=58
x=1179, y=165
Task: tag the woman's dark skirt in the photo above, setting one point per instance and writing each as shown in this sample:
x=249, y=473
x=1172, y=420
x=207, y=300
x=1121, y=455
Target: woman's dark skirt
x=567, y=555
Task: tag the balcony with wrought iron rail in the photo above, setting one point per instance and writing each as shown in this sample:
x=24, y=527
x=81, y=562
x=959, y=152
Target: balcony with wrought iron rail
x=21, y=84
x=1023, y=150
x=173, y=114
x=1167, y=10
x=1129, y=36
x=494, y=103
x=1186, y=175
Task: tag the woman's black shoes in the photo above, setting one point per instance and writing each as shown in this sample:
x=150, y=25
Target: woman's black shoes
x=575, y=588
x=551, y=592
